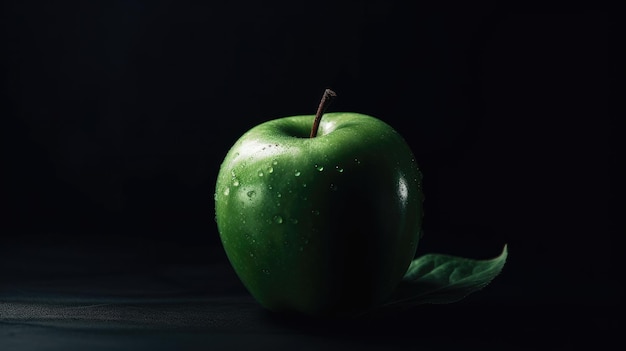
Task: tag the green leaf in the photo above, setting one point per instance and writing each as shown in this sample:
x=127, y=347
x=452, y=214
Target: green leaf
x=438, y=278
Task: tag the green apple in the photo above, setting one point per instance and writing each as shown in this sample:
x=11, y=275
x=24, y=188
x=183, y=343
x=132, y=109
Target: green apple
x=320, y=218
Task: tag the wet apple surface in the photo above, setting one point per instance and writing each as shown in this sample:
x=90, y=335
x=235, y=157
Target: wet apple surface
x=324, y=225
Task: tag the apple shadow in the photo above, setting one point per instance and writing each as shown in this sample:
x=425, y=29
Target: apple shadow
x=459, y=324
x=434, y=325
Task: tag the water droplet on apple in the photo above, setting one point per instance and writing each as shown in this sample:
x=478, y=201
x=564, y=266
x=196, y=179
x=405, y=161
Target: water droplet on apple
x=339, y=169
x=261, y=173
x=265, y=271
x=293, y=221
x=297, y=174
x=251, y=254
x=270, y=187
x=270, y=169
x=333, y=187
x=304, y=185
x=251, y=194
x=235, y=182
x=357, y=161
x=226, y=191
x=278, y=219
x=315, y=212
x=274, y=162
x=279, y=195
x=319, y=168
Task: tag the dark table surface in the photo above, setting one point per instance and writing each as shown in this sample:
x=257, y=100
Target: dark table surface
x=73, y=297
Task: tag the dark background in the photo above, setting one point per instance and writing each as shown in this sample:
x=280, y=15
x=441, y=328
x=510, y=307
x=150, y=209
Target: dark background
x=116, y=117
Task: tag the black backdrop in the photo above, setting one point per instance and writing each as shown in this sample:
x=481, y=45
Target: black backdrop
x=116, y=116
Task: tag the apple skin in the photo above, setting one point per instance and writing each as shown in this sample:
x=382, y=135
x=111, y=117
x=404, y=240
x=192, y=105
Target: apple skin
x=323, y=226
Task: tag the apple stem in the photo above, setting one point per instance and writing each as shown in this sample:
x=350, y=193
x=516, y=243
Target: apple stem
x=324, y=103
